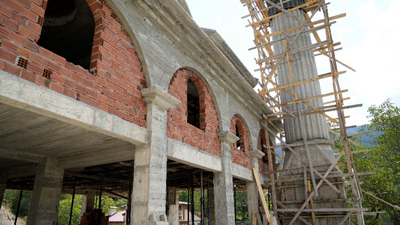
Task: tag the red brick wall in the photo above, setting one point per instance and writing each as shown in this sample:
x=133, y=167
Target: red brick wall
x=241, y=157
x=206, y=138
x=116, y=77
x=263, y=167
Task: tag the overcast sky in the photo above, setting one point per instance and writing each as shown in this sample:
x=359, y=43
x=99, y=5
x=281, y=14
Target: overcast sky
x=370, y=40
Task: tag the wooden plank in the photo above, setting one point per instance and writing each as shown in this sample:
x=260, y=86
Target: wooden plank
x=261, y=194
x=300, y=218
x=271, y=17
x=254, y=222
x=325, y=210
x=312, y=98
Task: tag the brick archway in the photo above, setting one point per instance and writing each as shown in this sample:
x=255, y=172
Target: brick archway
x=206, y=138
x=240, y=156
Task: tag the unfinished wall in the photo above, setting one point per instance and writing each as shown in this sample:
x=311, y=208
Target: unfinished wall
x=115, y=78
x=242, y=156
x=206, y=138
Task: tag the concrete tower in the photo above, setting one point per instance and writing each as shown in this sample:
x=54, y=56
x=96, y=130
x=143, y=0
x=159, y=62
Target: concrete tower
x=314, y=126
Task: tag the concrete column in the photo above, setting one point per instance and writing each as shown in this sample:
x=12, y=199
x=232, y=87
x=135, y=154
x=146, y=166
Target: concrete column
x=88, y=202
x=223, y=183
x=252, y=192
x=212, y=206
x=173, y=201
x=150, y=174
x=3, y=184
x=46, y=193
x=304, y=68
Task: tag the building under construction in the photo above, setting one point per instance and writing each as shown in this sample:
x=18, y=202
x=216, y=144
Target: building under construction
x=133, y=99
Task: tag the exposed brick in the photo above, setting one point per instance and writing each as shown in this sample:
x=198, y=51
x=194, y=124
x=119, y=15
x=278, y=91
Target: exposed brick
x=29, y=15
x=12, y=69
x=32, y=46
x=40, y=60
x=14, y=5
x=53, y=66
x=35, y=68
x=4, y=32
x=69, y=83
x=77, y=78
x=70, y=66
x=5, y=10
x=69, y=92
x=29, y=76
x=9, y=46
x=65, y=72
x=60, y=60
x=57, y=78
x=7, y=56
x=34, y=27
x=57, y=87
x=37, y=10
x=27, y=33
x=11, y=24
x=25, y=53
x=46, y=53
x=19, y=39
x=25, y=3
x=18, y=18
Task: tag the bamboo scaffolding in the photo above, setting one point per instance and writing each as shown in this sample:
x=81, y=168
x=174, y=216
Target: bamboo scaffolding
x=269, y=62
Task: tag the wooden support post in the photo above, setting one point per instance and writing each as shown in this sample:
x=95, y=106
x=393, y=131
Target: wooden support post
x=260, y=192
x=311, y=203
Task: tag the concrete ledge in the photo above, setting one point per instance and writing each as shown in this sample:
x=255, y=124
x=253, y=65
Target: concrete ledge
x=241, y=172
x=189, y=155
x=228, y=137
x=161, y=98
x=23, y=94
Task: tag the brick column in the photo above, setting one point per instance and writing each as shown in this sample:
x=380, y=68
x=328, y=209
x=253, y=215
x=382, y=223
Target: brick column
x=252, y=192
x=3, y=184
x=150, y=173
x=223, y=183
x=46, y=193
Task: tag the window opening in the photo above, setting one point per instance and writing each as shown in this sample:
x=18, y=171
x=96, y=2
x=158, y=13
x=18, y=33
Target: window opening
x=238, y=147
x=68, y=30
x=264, y=150
x=193, y=104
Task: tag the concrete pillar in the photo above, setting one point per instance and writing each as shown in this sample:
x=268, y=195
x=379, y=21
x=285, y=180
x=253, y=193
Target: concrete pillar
x=212, y=206
x=252, y=192
x=150, y=173
x=173, y=201
x=223, y=183
x=304, y=68
x=88, y=202
x=3, y=184
x=46, y=193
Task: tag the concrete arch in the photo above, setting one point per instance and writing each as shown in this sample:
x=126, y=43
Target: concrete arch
x=124, y=22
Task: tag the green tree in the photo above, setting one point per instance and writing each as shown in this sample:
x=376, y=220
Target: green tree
x=384, y=158
x=65, y=209
x=11, y=198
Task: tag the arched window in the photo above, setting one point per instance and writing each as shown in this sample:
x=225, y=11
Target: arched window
x=193, y=104
x=68, y=30
x=264, y=150
x=238, y=135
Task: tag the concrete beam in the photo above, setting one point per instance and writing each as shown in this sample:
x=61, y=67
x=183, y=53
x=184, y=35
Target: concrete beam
x=86, y=159
x=31, y=97
x=192, y=156
x=21, y=156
